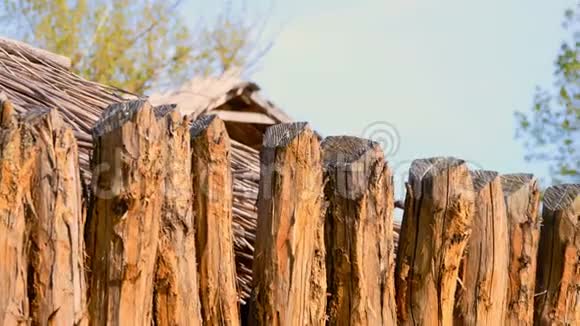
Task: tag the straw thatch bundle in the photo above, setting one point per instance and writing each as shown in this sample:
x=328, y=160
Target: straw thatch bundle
x=34, y=78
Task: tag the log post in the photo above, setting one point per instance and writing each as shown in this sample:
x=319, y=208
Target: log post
x=17, y=160
x=212, y=187
x=482, y=298
x=436, y=226
x=57, y=289
x=127, y=183
x=289, y=261
x=558, y=287
x=522, y=199
x=359, y=233
x=176, y=297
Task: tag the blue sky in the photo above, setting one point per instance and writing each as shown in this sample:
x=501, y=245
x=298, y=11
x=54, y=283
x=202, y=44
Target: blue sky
x=447, y=75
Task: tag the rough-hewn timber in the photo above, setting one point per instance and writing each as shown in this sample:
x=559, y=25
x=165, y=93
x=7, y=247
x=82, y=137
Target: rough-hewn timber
x=126, y=216
x=522, y=200
x=212, y=186
x=17, y=162
x=56, y=280
x=436, y=227
x=176, y=297
x=484, y=274
x=558, y=281
x=359, y=233
x=289, y=260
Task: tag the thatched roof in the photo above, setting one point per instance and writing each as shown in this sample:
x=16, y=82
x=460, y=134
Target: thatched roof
x=238, y=102
x=202, y=95
x=34, y=78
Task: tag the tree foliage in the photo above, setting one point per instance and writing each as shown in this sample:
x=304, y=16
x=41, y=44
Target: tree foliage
x=133, y=44
x=551, y=128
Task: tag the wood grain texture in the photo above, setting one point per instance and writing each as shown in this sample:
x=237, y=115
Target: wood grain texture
x=359, y=233
x=57, y=288
x=484, y=273
x=289, y=261
x=176, y=293
x=436, y=226
x=17, y=161
x=522, y=200
x=127, y=180
x=558, y=280
x=212, y=186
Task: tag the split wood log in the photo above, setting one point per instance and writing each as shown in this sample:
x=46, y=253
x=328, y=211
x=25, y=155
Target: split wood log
x=359, y=233
x=212, y=186
x=436, y=226
x=289, y=261
x=17, y=161
x=57, y=288
x=127, y=181
x=558, y=287
x=522, y=199
x=484, y=272
x=176, y=294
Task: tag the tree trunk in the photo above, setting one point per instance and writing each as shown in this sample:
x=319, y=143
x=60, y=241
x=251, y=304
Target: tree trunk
x=17, y=161
x=57, y=289
x=359, y=233
x=128, y=178
x=176, y=297
x=522, y=200
x=558, y=300
x=289, y=272
x=436, y=227
x=482, y=299
x=212, y=184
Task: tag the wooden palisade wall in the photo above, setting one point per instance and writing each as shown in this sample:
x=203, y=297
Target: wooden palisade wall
x=153, y=242
x=359, y=233
x=558, y=287
x=289, y=269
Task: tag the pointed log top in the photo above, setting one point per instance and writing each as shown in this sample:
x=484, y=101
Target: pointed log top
x=427, y=168
x=201, y=124
x=346, y=149
x=282, y=134
x=514, y=182
x=163, y=110
x=481, y=178
x=561, y=196
x=350, y=163
x=117, y=114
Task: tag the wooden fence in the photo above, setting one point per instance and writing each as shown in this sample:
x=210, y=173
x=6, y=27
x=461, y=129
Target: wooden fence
x=150, y=241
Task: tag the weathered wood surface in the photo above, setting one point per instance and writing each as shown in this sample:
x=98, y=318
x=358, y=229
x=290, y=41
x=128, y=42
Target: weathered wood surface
x=359, y=233
x=484, y=275
x=127, y=181
x=57, y=288
x=212, y=180
x=41, y=234
x=558, y=279
x=17, y=160
x=289, y=260
x=176, y=293
x=436, y=226
x=522, y=200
